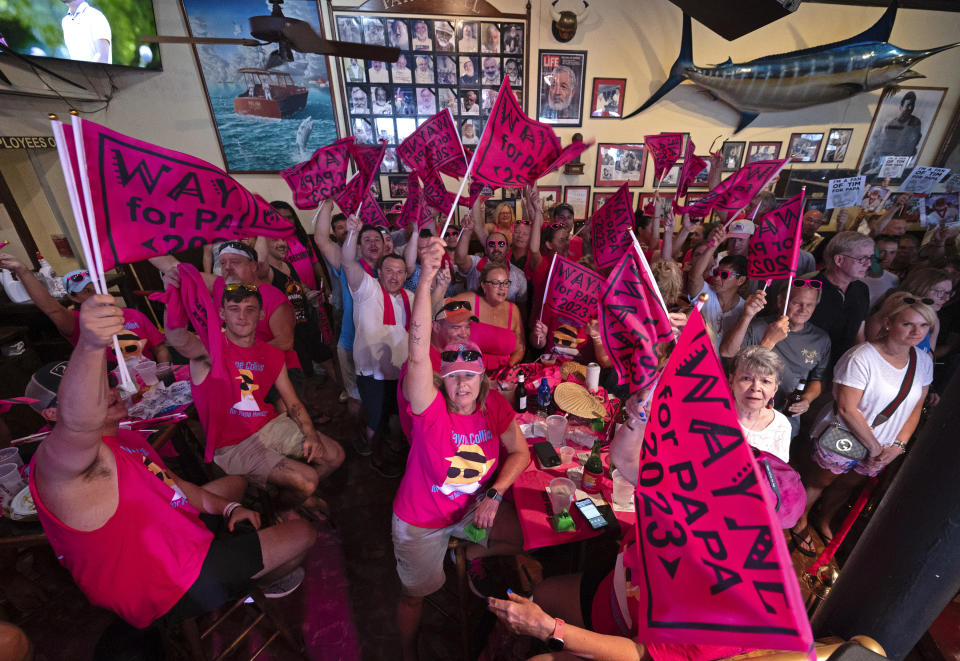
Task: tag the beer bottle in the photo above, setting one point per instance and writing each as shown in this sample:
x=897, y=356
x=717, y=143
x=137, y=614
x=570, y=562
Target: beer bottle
x=593, y=470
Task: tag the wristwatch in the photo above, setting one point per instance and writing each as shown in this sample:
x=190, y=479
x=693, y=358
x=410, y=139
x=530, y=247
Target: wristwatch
x=554, y=641
x=493, y=493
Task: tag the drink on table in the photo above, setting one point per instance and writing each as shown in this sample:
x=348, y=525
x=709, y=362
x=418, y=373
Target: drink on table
x=543, y=398
x=593, y=470
x=521, y=393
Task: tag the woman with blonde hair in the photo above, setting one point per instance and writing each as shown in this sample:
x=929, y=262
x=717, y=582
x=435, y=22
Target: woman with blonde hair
x=503, y=221
x=933, y=287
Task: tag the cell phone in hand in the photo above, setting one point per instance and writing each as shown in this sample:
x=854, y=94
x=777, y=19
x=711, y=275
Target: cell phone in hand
x=547, y=456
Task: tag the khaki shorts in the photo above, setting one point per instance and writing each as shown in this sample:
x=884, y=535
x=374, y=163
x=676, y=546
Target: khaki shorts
x=257, y=455
x=420, y=552
x=348, y=372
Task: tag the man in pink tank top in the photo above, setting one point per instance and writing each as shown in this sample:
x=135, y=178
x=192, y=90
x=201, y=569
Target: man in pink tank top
x=136, y=538
x=252, y=440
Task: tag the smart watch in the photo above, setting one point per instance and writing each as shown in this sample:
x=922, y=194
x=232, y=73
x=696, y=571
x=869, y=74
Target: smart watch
x=554, y=641
x=493, y=493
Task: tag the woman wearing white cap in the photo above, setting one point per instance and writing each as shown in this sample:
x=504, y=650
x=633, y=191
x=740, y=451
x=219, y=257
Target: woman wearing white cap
x=456, y=426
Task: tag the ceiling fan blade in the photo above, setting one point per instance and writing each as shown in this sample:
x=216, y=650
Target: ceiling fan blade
x=162, y=39
x=305, y=39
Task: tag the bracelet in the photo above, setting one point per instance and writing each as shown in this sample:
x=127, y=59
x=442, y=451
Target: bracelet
x=901, y=445
x=228, y=510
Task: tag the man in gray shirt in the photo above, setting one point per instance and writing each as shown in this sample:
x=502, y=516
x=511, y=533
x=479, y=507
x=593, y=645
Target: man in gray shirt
x=805, y=348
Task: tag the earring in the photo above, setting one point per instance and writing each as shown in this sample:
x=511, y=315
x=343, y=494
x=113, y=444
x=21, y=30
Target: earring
x=770, y=403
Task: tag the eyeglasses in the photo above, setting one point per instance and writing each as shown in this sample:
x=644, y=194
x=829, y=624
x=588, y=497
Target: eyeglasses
x=468, y=355
x=498, y=283
x=859, y=260
x=494, y=244
x=78, y=277
x=812, y=284
x=909, y=300
x=239, y=286
x=941, y=293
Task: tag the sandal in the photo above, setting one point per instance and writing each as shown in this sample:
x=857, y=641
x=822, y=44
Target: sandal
x=818, y=526
x=802, y=542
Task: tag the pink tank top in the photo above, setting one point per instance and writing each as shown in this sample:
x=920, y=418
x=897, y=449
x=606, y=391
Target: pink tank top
x=240, y=401
x=501, y=341
x=148, y=554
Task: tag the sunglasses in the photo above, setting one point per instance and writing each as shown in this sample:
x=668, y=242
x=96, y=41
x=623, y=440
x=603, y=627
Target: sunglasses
x=723, y=275
x=909, y=300
x=468, y=473
x=812, y=284
x=498, y=283
x=453, y=306
x=451, y=232
x=239, y=286
x=468, y=355
x=494, y=244
x=78, y=277
x=556, y=226
x=523, y=222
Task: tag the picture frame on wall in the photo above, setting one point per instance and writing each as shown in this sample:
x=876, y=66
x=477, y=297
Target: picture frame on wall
x=645, y=203
x=804, y=147
x=560, y=82
x=900, y=126
x=703, y=177
x=670, y=178
x=600, y=198
x=763, y=151
x=577, y=197
x=619, y=163
x=607, y=99
x=732, y=152
x=948, y=156
x=255, y=133
x=835, y=150
x=549, y=196
x=397, y=185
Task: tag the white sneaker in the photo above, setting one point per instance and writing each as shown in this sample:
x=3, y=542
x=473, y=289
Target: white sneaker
x=285, y=584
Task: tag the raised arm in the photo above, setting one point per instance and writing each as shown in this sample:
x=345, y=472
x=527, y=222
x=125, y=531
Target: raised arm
x=686, y=226
x=417, y=383
x=461, y=256
x=478, y=213
x=61, y=317
x=410, y=253
x=733, y=338
x=264, y=272
x=321, y=234
x=695, y=282
x=82, y=399
x=166, y=263
x=351, y=267
x=531, y=199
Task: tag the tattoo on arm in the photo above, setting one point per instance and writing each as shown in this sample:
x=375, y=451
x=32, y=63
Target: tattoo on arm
x=415, y=335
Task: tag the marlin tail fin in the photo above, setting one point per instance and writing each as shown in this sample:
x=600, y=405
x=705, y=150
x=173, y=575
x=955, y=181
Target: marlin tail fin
x=678, y=72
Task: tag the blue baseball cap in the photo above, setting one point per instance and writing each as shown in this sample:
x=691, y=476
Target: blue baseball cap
x=75, y=281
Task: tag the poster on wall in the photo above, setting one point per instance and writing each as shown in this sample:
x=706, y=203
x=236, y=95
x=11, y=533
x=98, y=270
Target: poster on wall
x=838, y=140
x=560, y=77
x=266, y=119
x=444, y=63
x=941, y=209
x=900, y=126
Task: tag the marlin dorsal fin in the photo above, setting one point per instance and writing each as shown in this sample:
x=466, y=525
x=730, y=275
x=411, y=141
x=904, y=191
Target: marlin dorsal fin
x=879, y=31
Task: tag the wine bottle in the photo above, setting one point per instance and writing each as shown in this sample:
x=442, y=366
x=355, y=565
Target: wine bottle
x=521, y=393
x=593, y=470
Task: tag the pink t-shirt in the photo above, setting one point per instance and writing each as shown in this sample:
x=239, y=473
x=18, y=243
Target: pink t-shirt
x=138, y=337
x=148, y=553
x=451, y=458
x=272, y=299
x=240, y=403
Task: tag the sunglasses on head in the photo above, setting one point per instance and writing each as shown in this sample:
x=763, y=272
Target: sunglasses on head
x=909, y=300
x=239, y=286
x=468, y=355
x=812, y=284
x=493, y=244
x=78, y=277
x=453, y=306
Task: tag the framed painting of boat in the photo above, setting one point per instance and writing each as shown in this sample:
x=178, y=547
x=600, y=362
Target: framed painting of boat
x=268, y=118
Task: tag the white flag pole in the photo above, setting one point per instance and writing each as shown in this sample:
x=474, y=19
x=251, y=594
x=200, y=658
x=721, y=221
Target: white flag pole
x=463, y=183
x=796, y=253
x=546, y=289
x=646, y=268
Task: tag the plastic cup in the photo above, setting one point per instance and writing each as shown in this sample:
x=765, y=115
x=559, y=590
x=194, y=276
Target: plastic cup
x=622, y=490
x=562, y=491
x=10, y=483
x=10, y=456
x=556, y=430
x=575, y=475
x=147, y=369
x=567, y=454
x=593, y=377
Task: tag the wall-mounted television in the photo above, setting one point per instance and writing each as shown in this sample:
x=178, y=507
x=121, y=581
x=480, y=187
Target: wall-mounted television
x=104, y=31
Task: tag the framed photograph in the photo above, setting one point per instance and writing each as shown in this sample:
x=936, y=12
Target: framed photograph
x=445, y=34
x=600, y=198
x=732, y=155
x=948, y=156
x=838, y=140
x=493, y=208
x=899, y=127
x=397, y=184
x=512, y=193
x=911, y=210
x=467, y=41
x=645, y=203
x=670, y=178
x=763, y=151
x=561, y=87
x=549, y=196
x=578, y=197
x=607, y=99
x=941, y=209
x=702, y=178
x=243, y=99
x=804, y=147
x=620, y=163
x=512, y=36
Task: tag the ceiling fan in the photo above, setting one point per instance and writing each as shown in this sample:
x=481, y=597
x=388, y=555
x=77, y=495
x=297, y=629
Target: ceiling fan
x=290, y=34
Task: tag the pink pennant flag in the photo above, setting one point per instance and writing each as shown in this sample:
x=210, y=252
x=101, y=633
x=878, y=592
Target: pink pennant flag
x=515, y=150
x=632, y=322
x=151, y=201
x=713, y=566
x=735, y=192
x=691, y=167
x=414, y=209
x=367, y=159
x=664, y=149
x=574, y=291
x=773, y=249
x=610, y=227
x=321, y=176
x=6, y=404
x=435, y=143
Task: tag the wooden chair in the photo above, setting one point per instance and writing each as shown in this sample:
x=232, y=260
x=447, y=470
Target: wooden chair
x=262, y=612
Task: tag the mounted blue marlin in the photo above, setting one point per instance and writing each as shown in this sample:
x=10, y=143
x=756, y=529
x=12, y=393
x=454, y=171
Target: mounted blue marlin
x=801, y=78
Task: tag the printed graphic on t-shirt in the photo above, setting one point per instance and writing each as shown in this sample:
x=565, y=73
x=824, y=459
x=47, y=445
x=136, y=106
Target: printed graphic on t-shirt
x=178, y=499
x=467, y=469
x=810, y=356
x=247, y=385
x=131, y=344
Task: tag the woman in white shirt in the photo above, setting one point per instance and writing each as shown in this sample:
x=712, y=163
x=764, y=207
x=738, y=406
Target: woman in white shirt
x=754, y=382
x=866, y=381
